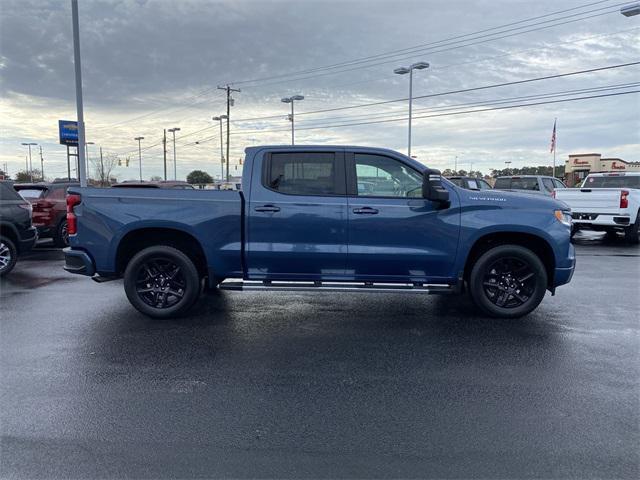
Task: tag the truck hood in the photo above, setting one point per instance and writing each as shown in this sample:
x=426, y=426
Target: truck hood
x=513, y=199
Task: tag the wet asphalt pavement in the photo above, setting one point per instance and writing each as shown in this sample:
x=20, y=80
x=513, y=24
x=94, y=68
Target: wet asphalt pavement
x=320, y=385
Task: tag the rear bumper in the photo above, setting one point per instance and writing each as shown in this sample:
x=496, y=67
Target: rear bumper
x=595, y=220
x=79, y=262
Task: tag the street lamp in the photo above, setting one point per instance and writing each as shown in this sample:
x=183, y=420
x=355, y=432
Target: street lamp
x=139, y=139
x=29, y=165
x=630, y=10
x=507, y=163
x=292, y=100
x=175, y=167
x=409, y=70
x=220, y=118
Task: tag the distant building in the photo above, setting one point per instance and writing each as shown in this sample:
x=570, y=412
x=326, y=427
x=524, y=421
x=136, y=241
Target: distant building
x=579, y=165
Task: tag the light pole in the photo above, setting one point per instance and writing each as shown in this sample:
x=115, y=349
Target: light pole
x=139, y=139
x=409, y=70
x=82, y=165
x=175, y=167
x=507, y=163
x=86, y=150
x=292, y=100
x=455, y=166
x=220, y=118
x=29, y=166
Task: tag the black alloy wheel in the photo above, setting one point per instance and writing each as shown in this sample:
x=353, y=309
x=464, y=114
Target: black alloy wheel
x=162, y=282
x=508, y=281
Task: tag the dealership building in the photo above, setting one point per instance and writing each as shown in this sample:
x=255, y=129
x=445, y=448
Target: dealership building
x=579, y=165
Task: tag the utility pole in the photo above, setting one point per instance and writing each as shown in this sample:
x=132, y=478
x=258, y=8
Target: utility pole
x=102, y=169
x=41, y=164
x=164, y=153
x=29, y=163
x=139, y=139
x=229, y=103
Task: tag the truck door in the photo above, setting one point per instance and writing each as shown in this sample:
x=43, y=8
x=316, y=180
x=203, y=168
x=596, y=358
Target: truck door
x=297, y=225
x=395, y=234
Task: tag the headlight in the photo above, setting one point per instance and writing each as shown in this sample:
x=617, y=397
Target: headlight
x=564, y=217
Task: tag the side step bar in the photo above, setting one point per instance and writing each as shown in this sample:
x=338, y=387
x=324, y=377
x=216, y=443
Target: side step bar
x=257, y=285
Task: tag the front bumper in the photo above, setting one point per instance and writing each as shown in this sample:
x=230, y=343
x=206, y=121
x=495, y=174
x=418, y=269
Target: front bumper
x=563, y=275
x=79, y=262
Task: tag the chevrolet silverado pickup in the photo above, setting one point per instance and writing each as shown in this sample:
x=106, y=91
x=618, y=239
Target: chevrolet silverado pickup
x=606, y=202
x=317, y=218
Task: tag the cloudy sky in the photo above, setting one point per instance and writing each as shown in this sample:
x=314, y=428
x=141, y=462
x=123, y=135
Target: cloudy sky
x=150, y=65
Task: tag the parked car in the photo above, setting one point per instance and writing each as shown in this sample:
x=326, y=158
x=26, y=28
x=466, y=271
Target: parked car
x=49, y=208
x=539, y=184
x=302, y=222
x=470, y=183
x=175, y=184
x=17, y=234
x=606, y=202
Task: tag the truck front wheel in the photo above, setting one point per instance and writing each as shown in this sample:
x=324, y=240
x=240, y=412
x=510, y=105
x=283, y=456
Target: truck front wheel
x=508, y=281
x=161, y=282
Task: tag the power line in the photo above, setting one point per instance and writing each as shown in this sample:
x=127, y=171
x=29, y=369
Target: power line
x=424, y=45
x=399, y=119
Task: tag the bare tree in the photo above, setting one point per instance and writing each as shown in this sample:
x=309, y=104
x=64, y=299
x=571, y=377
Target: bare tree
x=103, y=167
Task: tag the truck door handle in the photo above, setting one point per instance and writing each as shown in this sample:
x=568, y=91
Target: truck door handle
x=365, y=211
x=267, y=208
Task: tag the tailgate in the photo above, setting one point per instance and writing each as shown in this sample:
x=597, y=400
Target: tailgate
x=591, y=200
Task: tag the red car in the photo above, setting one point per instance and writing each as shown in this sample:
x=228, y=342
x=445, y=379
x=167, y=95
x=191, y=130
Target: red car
x=49, y=208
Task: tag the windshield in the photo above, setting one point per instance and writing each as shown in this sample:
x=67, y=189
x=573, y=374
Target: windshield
x=612, y=181
x=31, y=192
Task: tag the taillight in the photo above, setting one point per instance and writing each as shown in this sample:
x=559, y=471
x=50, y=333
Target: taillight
x=72, y=223
x=624, y=199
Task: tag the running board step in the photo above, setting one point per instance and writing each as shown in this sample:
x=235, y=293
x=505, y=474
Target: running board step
x=256, y=285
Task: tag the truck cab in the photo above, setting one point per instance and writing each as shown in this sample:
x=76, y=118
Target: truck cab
x=324, y=218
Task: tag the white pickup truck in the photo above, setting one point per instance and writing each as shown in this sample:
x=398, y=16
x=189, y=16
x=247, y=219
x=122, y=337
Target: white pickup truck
x=608, y=202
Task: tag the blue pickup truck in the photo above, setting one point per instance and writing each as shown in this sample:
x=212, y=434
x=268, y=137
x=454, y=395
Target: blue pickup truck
x=318, y=218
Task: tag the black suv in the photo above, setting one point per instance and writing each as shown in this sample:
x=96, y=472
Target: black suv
x=17, y=235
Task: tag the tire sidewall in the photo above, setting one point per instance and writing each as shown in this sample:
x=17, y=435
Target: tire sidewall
x=487, y=259
x=13, y=252
x=632, y=233
x=59, y=238
x=192, y=281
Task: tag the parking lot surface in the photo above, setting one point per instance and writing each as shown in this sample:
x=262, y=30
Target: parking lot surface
x=321, y=385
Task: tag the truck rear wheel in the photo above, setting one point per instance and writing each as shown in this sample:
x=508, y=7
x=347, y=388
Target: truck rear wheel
x=508, y=281
x=632, y=233
x=161, y=282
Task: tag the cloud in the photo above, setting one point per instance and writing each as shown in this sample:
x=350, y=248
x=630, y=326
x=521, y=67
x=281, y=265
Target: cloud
x=150, y=65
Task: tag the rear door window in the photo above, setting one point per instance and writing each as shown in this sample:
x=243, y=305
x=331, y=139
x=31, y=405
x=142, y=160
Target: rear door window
x=503, y=183
x=304, y=173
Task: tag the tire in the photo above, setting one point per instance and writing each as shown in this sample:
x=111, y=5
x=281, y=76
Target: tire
x=520, y=281
x=161, y=282
x=61, y=236
x=8, y=255
x=632, y=233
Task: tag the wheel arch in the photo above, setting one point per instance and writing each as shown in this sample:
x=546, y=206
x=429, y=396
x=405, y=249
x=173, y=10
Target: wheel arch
x=537, y=244
x=138, y=239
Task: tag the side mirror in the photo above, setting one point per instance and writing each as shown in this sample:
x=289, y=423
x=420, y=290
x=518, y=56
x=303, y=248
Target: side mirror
x=432, y=188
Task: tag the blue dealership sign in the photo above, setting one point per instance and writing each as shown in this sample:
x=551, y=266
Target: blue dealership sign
x=68, y=132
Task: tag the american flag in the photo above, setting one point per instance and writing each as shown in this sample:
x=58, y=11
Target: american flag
x=553, y=137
